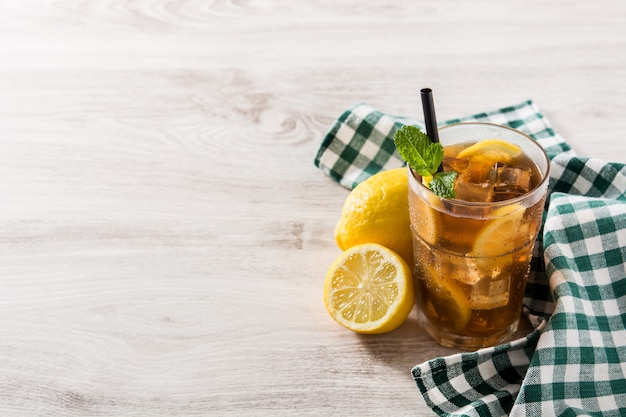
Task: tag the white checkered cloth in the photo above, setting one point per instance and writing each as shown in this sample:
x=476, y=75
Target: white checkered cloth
x=360, y=143
x=574, y=362
x=579, y=365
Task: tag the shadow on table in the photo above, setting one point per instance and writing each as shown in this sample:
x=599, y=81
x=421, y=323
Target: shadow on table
x=410, y=344
x=404, y=347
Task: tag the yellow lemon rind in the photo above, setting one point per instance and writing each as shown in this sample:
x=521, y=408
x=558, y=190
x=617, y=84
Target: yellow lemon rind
x=490, y=151
x=376, y=211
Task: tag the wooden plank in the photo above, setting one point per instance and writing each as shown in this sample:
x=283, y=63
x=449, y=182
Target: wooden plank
x=165, y=234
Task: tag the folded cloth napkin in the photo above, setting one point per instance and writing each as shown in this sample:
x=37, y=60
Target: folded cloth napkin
x=360, y=143
x=574, y=362
x=579, y=365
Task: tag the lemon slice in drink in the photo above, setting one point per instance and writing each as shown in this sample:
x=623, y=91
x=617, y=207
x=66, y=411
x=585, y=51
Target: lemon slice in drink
x=448, y=300
x=503, y=234
x=490, y=151
x=424, y=219
x=369, y=289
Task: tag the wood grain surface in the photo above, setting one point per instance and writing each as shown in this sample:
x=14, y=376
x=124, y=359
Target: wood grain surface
x=164, y=232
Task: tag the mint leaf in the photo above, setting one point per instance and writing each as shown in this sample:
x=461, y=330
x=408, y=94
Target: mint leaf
x=442, y=184
x=419, y=152
x=424, y=157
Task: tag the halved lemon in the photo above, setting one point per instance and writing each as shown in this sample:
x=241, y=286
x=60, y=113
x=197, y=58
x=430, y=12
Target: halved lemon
x=449, y=301
x=369, y=289
x=503, y=234
x=490, y=151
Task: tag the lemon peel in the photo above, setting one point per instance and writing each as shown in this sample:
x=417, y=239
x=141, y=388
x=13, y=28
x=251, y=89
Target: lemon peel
x=490, y=151
x=377, y=211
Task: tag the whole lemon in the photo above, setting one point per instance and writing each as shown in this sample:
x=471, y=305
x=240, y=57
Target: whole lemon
x=377, y=211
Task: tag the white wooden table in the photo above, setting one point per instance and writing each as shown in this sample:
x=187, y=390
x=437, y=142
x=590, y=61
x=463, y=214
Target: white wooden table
x=164, y=233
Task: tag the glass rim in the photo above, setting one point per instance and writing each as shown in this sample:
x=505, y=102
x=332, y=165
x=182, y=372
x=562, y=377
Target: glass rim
x=539, y=188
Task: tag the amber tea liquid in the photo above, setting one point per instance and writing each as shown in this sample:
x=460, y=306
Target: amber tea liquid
x=472, y=253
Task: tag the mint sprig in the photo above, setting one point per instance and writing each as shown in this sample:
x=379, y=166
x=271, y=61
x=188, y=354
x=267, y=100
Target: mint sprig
x=442, y=184
x=424, y=157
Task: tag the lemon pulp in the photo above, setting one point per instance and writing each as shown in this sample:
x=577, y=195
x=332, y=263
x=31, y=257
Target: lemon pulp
x=369, y=289
x=503, y=234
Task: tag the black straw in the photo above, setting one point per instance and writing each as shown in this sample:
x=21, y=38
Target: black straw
x=429, y=117
x=429, y=114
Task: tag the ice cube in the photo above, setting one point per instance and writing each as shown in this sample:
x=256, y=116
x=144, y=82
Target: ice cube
x=514, y=177
x=478, y=172
x=475, y=192
x=454, y=164
x=512, y=182
x=476, y=183
x=466, y=271
x=490, y=292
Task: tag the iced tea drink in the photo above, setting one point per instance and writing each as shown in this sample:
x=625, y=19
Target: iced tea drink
x=472, y=252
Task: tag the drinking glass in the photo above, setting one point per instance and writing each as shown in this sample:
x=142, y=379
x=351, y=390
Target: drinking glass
x=472, y=258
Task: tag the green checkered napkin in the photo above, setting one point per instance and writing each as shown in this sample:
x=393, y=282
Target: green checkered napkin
x=360, y=143
x=574, y=362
